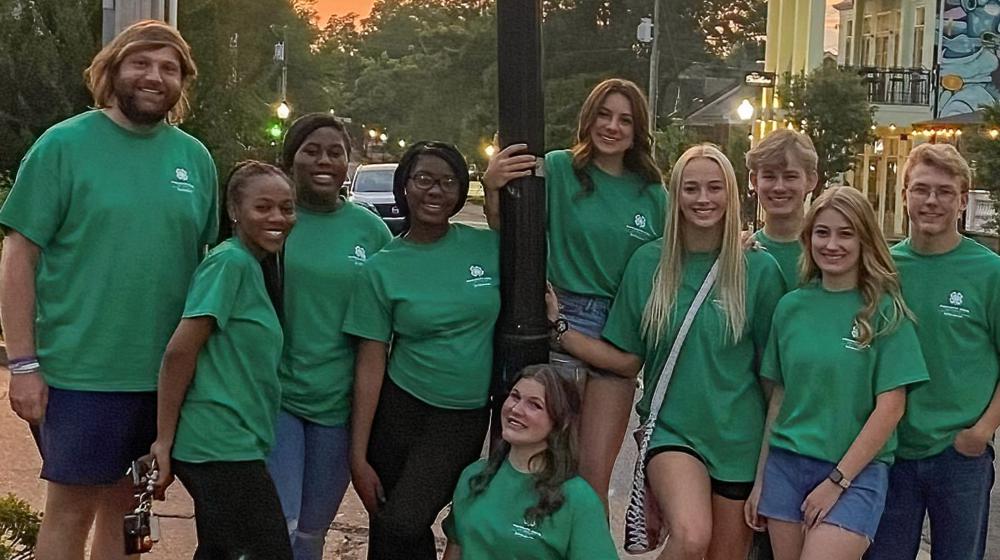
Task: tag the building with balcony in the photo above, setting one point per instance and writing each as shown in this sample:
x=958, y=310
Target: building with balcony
x=926, y=63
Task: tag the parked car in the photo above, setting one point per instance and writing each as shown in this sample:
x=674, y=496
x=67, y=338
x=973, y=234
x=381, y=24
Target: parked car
x=372, y=186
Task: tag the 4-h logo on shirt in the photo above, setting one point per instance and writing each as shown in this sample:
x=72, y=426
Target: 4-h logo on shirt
x=526, y=530
x=640, y=230
x=180, y=181
x=955, y=307
x=852, y=342
x=360, y=255
x=478, y=278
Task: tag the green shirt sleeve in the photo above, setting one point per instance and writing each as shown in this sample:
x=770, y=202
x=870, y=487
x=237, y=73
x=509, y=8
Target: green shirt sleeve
x=214, y=288
x=768, y=291
x=369, y=315
x=211, y=230
x=590, y=537
x=770, y=364
x=899, y=361
x=37, y=205
x=624, y=325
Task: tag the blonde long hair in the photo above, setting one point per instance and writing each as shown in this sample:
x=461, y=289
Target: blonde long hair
x=140, y=36
x=731, y=283
x=877, y=273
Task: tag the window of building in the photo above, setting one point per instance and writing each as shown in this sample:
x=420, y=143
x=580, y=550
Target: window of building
x=886, y=41
x=866, y=41
x=918, y=37
x=849, y=42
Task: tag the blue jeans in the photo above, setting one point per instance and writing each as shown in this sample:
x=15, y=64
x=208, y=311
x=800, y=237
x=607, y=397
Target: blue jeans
x=954, y=490
x=587, y=315
x=311, y=470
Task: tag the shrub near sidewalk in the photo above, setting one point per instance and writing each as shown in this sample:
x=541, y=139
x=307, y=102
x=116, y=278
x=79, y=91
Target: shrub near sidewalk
x=18, y=529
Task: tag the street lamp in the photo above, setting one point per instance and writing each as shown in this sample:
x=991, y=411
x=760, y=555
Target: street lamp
x=372, y=133
x=383, y=137
x=490, y=150
x=402, y=144
x=745, y=110
x=283, y=110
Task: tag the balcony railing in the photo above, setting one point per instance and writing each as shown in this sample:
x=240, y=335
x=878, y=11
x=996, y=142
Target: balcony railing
x=897, y=86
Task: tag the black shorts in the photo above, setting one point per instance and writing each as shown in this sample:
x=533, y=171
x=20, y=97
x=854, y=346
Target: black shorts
x=738, y=491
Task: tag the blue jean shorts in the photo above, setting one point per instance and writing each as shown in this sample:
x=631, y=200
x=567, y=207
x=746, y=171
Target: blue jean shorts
x=790, y=477
x=586, y=315
x=90, y=438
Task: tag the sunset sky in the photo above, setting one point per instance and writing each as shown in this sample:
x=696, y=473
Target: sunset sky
x=326, y=8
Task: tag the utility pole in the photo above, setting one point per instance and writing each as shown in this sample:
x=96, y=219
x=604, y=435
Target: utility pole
x=116, y=15
x=522, y=333
x=654, y=66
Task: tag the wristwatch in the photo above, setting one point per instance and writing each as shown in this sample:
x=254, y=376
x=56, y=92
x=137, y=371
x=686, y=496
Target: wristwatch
x=559, y=327
x=839, y=479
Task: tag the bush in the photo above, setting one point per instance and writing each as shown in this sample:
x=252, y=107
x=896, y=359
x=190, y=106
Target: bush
x=18, y=529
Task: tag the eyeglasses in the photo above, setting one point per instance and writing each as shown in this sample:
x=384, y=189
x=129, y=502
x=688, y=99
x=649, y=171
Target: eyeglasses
x=922, y=193
x=424, y=182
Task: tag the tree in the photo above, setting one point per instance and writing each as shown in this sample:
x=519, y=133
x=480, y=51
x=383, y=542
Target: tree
x=44, y=47
x=984, y=151
x=831, y=106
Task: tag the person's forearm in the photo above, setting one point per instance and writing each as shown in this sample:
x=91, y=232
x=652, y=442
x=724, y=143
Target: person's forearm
x=600, y=353
x=17, y=294
x=990, y=420
x=369, y=374
x=176, y=374
x=777, y=395
x=889, y=408
x=491, y=207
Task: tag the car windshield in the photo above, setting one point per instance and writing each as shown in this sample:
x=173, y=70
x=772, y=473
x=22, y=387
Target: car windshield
x=373, y=181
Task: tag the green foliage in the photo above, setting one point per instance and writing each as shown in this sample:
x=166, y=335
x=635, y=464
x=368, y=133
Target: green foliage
x=414, y=69
x=984, y=153
x=831, y=106
x=18, y=529
x=44, y=47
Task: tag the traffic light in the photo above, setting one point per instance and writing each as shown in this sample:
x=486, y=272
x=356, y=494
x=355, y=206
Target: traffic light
x=274, y=130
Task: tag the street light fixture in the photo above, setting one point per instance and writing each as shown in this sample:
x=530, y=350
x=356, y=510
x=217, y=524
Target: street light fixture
x=383, y=137
x=490, y=150
x=402, y=143
x=372, y=133
x=745, y=110
x=283, y=110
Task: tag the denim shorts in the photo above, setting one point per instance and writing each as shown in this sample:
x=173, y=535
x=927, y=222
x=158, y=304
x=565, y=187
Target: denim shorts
x=790, y=477
x=91, y=438
x=586, y=315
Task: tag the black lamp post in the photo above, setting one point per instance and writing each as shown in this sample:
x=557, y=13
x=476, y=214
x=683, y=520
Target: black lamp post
x=522, y=331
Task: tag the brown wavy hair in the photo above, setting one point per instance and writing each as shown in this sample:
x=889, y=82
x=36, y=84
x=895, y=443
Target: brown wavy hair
x=639, y=157
x=140, y=36
x=877, y=273
x=559, y=459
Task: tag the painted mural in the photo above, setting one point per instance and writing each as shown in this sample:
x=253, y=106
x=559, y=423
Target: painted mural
x=970, y=66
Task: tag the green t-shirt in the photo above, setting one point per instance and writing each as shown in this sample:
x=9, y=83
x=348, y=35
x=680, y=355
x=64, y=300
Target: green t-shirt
x=122, y=220
x=956, y=299
x=787, y=254
x=323, y=256
x=591, y=237
x=714, y=404
x=830, y=381
x=491, y=526
x=232, y=404
x=437, y=303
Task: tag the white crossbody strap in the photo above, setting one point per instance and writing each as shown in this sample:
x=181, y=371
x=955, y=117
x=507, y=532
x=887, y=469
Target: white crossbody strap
x=660, y=391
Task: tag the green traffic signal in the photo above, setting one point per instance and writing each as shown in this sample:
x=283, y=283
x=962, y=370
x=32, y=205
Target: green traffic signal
x=274, y=131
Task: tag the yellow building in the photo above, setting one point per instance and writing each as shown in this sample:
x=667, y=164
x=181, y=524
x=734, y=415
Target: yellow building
x=891, y=44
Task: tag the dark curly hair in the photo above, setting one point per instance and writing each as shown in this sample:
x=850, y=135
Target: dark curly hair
x=559, y=459
x=302, y=128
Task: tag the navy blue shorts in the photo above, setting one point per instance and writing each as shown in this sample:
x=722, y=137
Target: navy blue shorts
x=90, y=438
x=790, y=477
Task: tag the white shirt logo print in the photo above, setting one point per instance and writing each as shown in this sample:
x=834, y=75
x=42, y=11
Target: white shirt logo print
x=360, y=255
x=476, y=271
x=478, y=277
x=640, y=221
x=956, y=298
x=180, y=182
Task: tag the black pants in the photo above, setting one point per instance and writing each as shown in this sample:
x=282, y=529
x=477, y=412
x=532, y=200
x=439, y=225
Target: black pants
x=418, y=452
x=237, y=512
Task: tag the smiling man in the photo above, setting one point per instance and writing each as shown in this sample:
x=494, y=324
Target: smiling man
x=108, y=218
x=944, y=462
